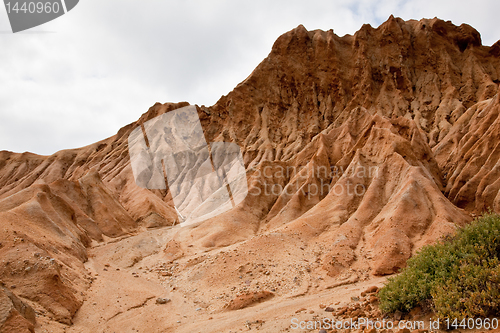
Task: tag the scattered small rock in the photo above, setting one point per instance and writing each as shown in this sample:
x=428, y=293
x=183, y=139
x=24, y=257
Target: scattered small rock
x=372, y=289
x=160, y=300
x=398, y=315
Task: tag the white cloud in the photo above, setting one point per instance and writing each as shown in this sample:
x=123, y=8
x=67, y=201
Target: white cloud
x=104, y=63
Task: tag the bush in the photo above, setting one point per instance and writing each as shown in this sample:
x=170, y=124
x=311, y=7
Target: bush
x=460, y=276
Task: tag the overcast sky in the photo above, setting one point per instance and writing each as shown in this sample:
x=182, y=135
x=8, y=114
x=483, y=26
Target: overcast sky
x=78, y=79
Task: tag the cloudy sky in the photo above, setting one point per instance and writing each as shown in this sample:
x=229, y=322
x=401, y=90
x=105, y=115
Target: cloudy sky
x=78, y=79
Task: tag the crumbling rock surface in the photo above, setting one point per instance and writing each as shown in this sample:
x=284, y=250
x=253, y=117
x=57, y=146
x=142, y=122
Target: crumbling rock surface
x=15, y=315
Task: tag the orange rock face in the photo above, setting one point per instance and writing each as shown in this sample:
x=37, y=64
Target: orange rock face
x=358, y=149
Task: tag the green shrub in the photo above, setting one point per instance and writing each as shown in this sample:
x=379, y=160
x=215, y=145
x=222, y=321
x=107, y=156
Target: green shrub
x=460, y=276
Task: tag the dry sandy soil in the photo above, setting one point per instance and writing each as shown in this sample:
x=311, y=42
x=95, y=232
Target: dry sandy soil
x=123, y=298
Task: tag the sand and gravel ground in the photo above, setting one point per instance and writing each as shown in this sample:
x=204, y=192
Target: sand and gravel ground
x=128, y=280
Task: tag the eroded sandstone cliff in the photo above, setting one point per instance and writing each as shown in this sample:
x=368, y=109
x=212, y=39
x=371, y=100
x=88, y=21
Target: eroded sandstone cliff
x=358, y=149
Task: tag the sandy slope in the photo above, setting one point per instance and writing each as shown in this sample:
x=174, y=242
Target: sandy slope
x=122, y=298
